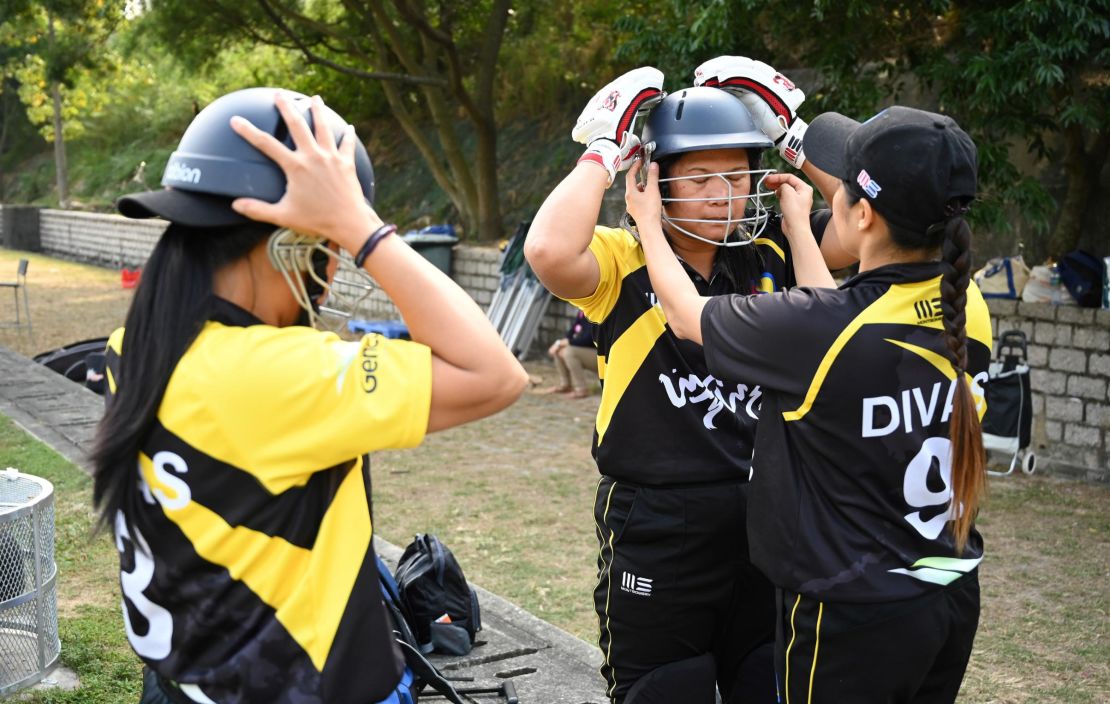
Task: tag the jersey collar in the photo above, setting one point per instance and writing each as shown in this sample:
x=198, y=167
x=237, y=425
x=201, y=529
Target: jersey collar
x=227, y=313
x=895, y=274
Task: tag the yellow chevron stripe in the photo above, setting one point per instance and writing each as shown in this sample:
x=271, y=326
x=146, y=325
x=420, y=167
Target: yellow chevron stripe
x=308, y=589
x=624, y=360
x=773, y=245
x=896, y=306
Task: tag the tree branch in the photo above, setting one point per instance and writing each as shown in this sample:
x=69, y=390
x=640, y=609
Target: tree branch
x=315, y=58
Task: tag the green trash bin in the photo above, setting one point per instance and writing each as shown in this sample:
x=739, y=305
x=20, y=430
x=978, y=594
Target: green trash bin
x=434, y=247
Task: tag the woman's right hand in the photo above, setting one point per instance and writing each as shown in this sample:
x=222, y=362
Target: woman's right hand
x=322, y=193
x=795, y=201
x=643, y=201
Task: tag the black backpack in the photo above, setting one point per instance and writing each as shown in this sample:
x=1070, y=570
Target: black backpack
x=420, y=672
x=443, y=607
x=1081, y=274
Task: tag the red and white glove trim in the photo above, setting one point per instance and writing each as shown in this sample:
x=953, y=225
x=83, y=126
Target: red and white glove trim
x=611, y=157
x=790, y=145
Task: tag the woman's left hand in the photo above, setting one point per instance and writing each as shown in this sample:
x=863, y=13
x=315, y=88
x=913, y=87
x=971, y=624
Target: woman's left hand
x=795, y=200
x=643, y=201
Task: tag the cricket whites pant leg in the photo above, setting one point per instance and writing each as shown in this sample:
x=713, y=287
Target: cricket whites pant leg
x=675, y=582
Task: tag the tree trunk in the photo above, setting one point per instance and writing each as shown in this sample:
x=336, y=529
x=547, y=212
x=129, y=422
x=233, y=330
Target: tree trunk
x=60, y=168
x=489, y=195
x=1083, y=167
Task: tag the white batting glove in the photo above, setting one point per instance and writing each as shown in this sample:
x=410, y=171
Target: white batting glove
x=605, y=125
x=770, y=97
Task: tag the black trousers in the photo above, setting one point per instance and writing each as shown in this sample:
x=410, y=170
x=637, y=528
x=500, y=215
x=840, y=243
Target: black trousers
x=675, y=582
x=903, y=652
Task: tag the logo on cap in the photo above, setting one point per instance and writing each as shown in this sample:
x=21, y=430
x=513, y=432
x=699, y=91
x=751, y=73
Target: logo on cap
x=870, y=187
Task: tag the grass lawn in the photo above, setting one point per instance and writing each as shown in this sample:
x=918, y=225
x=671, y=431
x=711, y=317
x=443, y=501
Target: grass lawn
x=512, y=496
x=89, y=620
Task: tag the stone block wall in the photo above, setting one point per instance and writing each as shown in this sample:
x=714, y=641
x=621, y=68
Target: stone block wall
x=1069, y=359
x=107, y=240
x=116, y=241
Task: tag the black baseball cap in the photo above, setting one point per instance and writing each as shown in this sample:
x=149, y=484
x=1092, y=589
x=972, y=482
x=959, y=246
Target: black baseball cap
x=909, y=163
x=213, y=165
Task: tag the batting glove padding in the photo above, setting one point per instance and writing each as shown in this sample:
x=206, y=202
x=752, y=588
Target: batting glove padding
x=770, y=97
x=606, y=123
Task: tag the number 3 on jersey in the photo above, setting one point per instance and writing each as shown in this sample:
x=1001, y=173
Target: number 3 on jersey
x=155, y=644
x=935, y=452
x=172, y=493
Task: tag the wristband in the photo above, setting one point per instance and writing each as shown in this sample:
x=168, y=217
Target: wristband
x=372, y=242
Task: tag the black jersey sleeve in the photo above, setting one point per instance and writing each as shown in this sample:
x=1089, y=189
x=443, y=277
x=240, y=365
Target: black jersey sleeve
x=818, y=221
x=762, y=338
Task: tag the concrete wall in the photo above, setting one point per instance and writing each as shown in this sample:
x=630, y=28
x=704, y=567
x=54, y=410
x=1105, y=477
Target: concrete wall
x=1069, y=346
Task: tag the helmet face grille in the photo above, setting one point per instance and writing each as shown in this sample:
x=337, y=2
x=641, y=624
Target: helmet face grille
x=303, y=262
x=747, y=213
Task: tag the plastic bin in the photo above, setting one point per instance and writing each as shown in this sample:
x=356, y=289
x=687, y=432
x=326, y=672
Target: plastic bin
x=29, y=644
x=435, y=246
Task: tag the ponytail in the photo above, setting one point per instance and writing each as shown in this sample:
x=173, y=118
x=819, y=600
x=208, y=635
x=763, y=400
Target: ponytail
x=171, y=305
x=968, y=459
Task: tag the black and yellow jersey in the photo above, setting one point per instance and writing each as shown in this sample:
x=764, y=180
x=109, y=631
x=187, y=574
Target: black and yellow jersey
x=247, y=569
x=664, y=418
x=851, y=492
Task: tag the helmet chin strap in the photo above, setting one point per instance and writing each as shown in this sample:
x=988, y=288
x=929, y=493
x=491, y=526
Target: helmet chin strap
x=741, y=241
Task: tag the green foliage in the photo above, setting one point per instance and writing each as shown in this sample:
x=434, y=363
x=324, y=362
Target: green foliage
x=1016, y=75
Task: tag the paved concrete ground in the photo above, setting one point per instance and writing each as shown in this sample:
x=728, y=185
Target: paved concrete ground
x=546, y=664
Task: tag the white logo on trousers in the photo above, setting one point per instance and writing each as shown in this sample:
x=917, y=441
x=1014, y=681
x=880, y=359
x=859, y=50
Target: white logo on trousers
x=635, y=585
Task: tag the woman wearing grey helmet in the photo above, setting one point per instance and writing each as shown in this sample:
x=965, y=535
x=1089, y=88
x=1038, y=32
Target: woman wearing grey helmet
x=869, y=456
x=681, y=609
x=231, y=461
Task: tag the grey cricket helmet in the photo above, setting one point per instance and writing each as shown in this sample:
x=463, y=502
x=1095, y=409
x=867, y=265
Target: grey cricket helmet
x=213, y=165
x=695, y=119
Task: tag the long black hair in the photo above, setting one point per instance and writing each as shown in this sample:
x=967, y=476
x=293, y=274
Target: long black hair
x=953, y=237
x=171, y=305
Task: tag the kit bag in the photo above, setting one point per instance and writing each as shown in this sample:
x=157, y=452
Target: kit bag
x=1081, y=272
x=442, y=606
x=1003, y=277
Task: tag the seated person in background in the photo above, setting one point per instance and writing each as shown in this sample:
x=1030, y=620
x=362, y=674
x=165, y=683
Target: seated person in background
x=576, y=359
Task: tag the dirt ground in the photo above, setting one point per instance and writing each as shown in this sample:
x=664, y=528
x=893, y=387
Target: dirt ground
x=512, y=496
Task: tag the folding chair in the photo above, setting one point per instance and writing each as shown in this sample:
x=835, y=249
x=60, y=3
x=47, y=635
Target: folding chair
x=22, y=318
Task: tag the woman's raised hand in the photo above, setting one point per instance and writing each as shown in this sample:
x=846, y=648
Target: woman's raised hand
x=795, y=201
x=642, y=200
x=322, y=192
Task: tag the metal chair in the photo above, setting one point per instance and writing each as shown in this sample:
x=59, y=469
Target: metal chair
x=22, y=318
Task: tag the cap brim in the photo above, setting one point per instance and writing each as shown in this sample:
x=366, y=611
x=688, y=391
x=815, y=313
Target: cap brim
x=182, y=207
x=825, y=143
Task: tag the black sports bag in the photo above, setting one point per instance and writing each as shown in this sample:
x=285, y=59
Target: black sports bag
x=443, y=606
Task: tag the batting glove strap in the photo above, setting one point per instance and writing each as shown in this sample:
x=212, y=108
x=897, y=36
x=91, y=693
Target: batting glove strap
x=610, y=156
x=790, y=145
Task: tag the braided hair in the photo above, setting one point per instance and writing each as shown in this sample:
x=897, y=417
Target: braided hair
x=968, y=459
x=953, y=237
